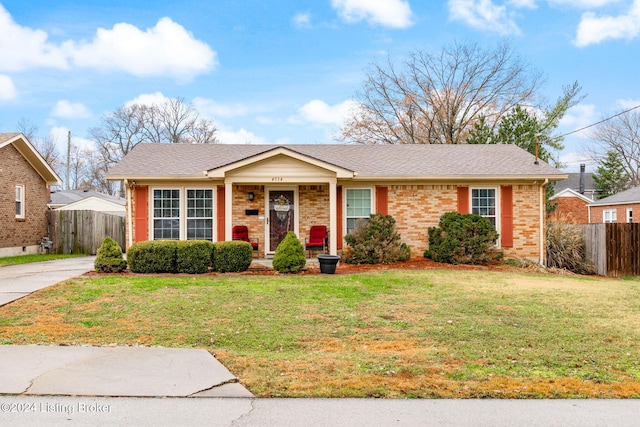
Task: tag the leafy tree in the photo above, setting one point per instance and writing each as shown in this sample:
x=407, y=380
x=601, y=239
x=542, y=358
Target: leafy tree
x=610, y=176
x=436, y=97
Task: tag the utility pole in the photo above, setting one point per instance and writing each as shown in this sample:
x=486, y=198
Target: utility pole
x=68, y=158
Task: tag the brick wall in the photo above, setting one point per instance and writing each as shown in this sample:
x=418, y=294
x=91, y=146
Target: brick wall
x=570, y=210
x=621, y=212
x=418, y=207
x=314, y=208
x=15, y=170
x=253, y=222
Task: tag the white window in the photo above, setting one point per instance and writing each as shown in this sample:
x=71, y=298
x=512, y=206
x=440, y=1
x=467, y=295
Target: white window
x=483, y=203
x=166, y=214
x=200, y=214
x=610, y=215
x=629, y=215
x=19, y=201
x=358, y=206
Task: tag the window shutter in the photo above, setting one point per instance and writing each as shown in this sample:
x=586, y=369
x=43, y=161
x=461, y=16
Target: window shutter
x=141, y=213
x=382, y=200
x=339, y=216
x=463, y=200
x=506, y=216
x=220, y=207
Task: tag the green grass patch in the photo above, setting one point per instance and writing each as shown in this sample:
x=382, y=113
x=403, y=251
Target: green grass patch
x=389, y=334
x=25, y=259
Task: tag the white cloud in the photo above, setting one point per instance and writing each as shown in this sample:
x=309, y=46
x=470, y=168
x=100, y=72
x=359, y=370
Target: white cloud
x=583, y=4
x=625, y=104
x=483, y=15
x=388, y=13
x=574, y=159
x=59, y=135
x=148, y=99
x=167, y=49
x=594, y=29
x=320, y=112
x=302, y=20
x=579, y=116
x=23, y=48
x=7, y=88
x=70, y=110
x=242, y=136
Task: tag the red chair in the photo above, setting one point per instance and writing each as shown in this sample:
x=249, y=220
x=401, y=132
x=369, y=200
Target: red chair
x=317, y=239
x=241, y=232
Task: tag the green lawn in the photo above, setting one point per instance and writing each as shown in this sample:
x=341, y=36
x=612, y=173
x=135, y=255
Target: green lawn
x=25, y=259
x=431, y=333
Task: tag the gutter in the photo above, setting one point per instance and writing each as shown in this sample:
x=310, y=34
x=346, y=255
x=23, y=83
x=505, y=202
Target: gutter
x=128, y=189
x=543, y=206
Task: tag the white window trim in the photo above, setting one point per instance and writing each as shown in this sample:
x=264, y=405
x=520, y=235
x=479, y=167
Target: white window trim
x=344, y=204
x=629, y=215
x=183, y=208
x=613, y=215
x=213, y=211
x=498, y=207
x=20, y=200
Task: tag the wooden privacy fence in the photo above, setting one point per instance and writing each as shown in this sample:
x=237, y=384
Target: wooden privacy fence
x=614, y=249
x=82, y=232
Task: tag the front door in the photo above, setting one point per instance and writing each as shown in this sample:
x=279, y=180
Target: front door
x=281, y=217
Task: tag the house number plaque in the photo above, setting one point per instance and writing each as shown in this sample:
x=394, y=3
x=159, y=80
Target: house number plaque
x=276, y=179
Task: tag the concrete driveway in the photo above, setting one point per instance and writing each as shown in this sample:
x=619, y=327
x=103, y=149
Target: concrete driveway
x=101, y=371
x=17, y=281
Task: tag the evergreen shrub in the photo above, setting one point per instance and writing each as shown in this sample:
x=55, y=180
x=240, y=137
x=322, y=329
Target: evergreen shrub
x=153, y=256
x=375, y=241
x=109, y=257
x=289, y=256
x=193, y=256
x=232, y=257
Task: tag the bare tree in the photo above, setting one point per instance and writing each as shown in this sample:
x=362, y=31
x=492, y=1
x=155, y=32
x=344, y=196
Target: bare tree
x=46, y=146
x=436, y=98
x=620, y=135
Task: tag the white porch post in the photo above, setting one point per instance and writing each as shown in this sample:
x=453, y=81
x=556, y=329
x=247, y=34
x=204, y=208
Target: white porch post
x=228, y=209
x=333, y=219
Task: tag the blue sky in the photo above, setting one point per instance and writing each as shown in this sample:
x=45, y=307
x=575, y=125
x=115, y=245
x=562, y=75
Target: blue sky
x=287, y=71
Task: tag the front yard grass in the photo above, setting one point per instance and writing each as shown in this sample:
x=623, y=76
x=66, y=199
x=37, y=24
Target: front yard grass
x=432, y=333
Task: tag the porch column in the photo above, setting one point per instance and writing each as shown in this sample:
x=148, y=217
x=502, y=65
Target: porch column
x=333, y=220
x=228, y=209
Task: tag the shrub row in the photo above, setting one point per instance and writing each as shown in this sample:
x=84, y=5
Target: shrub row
x=173, y=256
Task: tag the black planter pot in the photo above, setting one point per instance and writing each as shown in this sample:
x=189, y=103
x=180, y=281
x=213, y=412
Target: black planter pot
x=328, y=263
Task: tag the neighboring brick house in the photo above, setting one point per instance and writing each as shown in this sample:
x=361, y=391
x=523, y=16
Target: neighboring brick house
x=571, y=207
x=25, y=180
x=621, y=207
x=185, y=191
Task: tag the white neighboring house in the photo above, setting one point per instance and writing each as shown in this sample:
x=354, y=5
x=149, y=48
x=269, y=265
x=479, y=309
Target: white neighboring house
x=87, y=200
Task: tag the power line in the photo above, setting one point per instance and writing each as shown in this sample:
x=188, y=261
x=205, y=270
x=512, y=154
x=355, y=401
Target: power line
x=597, y=123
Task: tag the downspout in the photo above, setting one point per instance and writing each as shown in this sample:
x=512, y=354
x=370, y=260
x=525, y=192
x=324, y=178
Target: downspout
x=543, y=206
x=128, y=189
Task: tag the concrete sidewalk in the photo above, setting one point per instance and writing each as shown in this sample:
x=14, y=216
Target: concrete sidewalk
x=17, y=281
x=115, y=371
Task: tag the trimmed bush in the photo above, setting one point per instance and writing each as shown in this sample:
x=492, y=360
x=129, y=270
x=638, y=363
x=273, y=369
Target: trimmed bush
x=153, y=256
x=463, y=239
x=289, y=256
x=375, y=241
x=193, y=256
x=566, y=248
x=109, y=257
x=232, y=257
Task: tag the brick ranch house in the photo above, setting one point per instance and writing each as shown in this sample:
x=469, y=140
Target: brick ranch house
x=621, y=207
x=25, y=181
x=184, y=191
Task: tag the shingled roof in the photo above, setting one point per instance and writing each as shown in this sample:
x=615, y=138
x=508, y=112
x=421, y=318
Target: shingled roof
x=366, y=161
